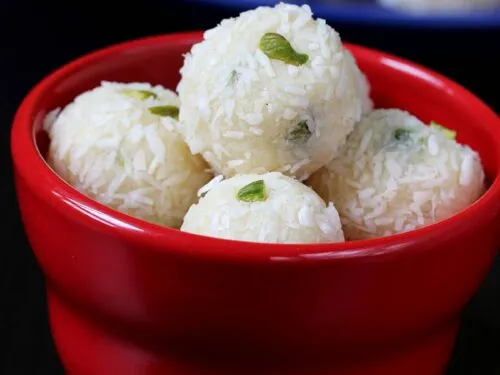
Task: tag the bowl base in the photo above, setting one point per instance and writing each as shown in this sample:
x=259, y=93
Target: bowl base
x=84, y=349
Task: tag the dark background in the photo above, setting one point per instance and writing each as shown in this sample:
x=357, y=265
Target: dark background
x=39, y=36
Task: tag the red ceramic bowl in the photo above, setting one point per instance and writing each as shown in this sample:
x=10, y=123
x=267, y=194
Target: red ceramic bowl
x=127, y=297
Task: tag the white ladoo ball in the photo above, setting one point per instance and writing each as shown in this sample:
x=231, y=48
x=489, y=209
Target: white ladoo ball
x=440, y=6
x=270, y=90
x=396, y=174
x=117, y=144
x=269, y=208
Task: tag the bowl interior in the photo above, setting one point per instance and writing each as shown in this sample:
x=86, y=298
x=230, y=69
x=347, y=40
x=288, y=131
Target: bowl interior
x=396, y=83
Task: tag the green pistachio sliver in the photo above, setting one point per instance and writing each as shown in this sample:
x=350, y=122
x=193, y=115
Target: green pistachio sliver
x=119, y=160
x=165, y=111
x=401, y=134
x=253, y=192
x=300, y=133
x=277, y=47
x=233, y=78
x=140, y=94
x=448, y=133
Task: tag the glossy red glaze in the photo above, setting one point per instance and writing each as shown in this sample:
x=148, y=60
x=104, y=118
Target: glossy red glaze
x=127, y=297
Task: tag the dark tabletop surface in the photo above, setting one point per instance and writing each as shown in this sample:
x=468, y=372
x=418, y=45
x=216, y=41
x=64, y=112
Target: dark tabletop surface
x=38, y=36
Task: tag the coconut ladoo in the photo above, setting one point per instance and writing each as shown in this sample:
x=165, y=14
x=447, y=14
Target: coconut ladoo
x=117, y=143
x=271, y=90
x=395, y=174
x=270, y=207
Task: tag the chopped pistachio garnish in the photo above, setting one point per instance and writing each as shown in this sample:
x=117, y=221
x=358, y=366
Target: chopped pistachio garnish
x=165, y=111
x=422, y=139
x=276, y=47
x=448, y=133
x=233, y=78
x=401, y=133
x=253, y=192
x=140, y=94
x=300, y=133
x=119, y=160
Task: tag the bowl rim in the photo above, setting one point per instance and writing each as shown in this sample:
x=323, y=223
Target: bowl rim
x=49, y=187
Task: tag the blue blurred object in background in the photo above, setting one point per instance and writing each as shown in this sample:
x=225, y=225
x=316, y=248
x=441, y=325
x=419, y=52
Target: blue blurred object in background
x=368, y=12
